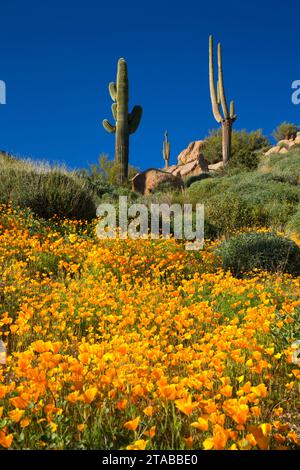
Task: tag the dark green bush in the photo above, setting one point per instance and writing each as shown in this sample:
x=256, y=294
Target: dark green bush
x=266, y=251
x=165, y=187
x=286, y=130
x=282, y=167
x=192, y=179
x=47, y=193
x=103, y=177
x=245, y=200
x=293, y=225
x=245, y=148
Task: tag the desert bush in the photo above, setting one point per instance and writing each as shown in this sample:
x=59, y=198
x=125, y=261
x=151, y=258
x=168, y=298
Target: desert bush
x=245, y=200
x=103, y=177
x=293, y=225
x=245, y=148
x=286, y=130
x=282, y=167
x=47, y=194
x=165, y=187
x=266, y=251
x=192, y=179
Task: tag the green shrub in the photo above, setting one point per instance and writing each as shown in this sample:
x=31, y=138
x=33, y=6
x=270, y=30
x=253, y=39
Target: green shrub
x=192, y=179
x=245, y=148
x=165, y=187
x=245, y=200
x=293, y=225
x=103, y=177
x=47, y=194
x=286, y=130
x=266, y=251
x=282, y=167
x=44, y=264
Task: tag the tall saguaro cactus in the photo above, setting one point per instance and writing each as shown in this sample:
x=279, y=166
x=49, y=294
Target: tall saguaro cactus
x=218, y=99
x=126, y=123
x=166, y=150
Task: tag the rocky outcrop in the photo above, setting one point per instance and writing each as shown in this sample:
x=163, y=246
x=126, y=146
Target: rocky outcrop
x=216, y=166
x=147, y=181
x=191, y=161
x=193, y=152
x=191, y=168
x=283, y=146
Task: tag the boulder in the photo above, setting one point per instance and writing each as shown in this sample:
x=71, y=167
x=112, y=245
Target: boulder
x=286, y=143
x=216, y=166
x=273, y=150
x=191, y=153
x=297, y=140
x=192, y=168
x=283, y=146
x=146, y=181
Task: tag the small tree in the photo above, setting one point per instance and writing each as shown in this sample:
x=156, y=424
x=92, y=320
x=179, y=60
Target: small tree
x=244, y=148
x=286, y=130
x=104, y=175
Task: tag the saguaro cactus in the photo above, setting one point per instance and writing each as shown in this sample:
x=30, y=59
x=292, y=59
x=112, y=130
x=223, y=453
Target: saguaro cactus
x=126, y=123
x=166, y=150
x=218, y=98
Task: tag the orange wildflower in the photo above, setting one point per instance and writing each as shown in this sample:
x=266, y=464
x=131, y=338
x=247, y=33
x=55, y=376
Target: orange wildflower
x=133, y=424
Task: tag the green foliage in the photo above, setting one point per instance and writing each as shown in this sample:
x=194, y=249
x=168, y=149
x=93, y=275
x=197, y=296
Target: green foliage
x=245, y=148
x=266, y=251
x=293, y=225
x=286, y=130
x=103, y=177
x=282, y=167
x=48, y=192
x=245, y=200
x=165, y=187
x=192, y=179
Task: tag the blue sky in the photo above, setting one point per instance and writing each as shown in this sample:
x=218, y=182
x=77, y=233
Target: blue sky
x=58, y=57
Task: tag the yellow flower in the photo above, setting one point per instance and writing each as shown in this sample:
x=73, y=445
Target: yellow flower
x=53, y=426
x=89, y=394
x=151, y=432
x=138, y=445
x=24, y=423
x=201, y=424
x=5, y=439
x=186, y=405
x=16, y=415
x=72, y=238
x=148, y=411
x=226, y=390
x=133, y=424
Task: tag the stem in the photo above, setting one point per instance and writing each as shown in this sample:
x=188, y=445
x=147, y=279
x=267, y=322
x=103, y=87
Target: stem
x=226, y=140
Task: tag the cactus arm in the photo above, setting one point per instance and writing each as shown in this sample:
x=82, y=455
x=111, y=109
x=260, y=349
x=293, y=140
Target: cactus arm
x=213, y=96
x=218, y=93
x=134, y=118
x=108, y=126
x=233, y=116
x=221, y=84
x=166, y=150
x=112, y=91
x=114, y=110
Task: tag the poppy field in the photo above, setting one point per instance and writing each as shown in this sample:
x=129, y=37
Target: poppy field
x=140, y=344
